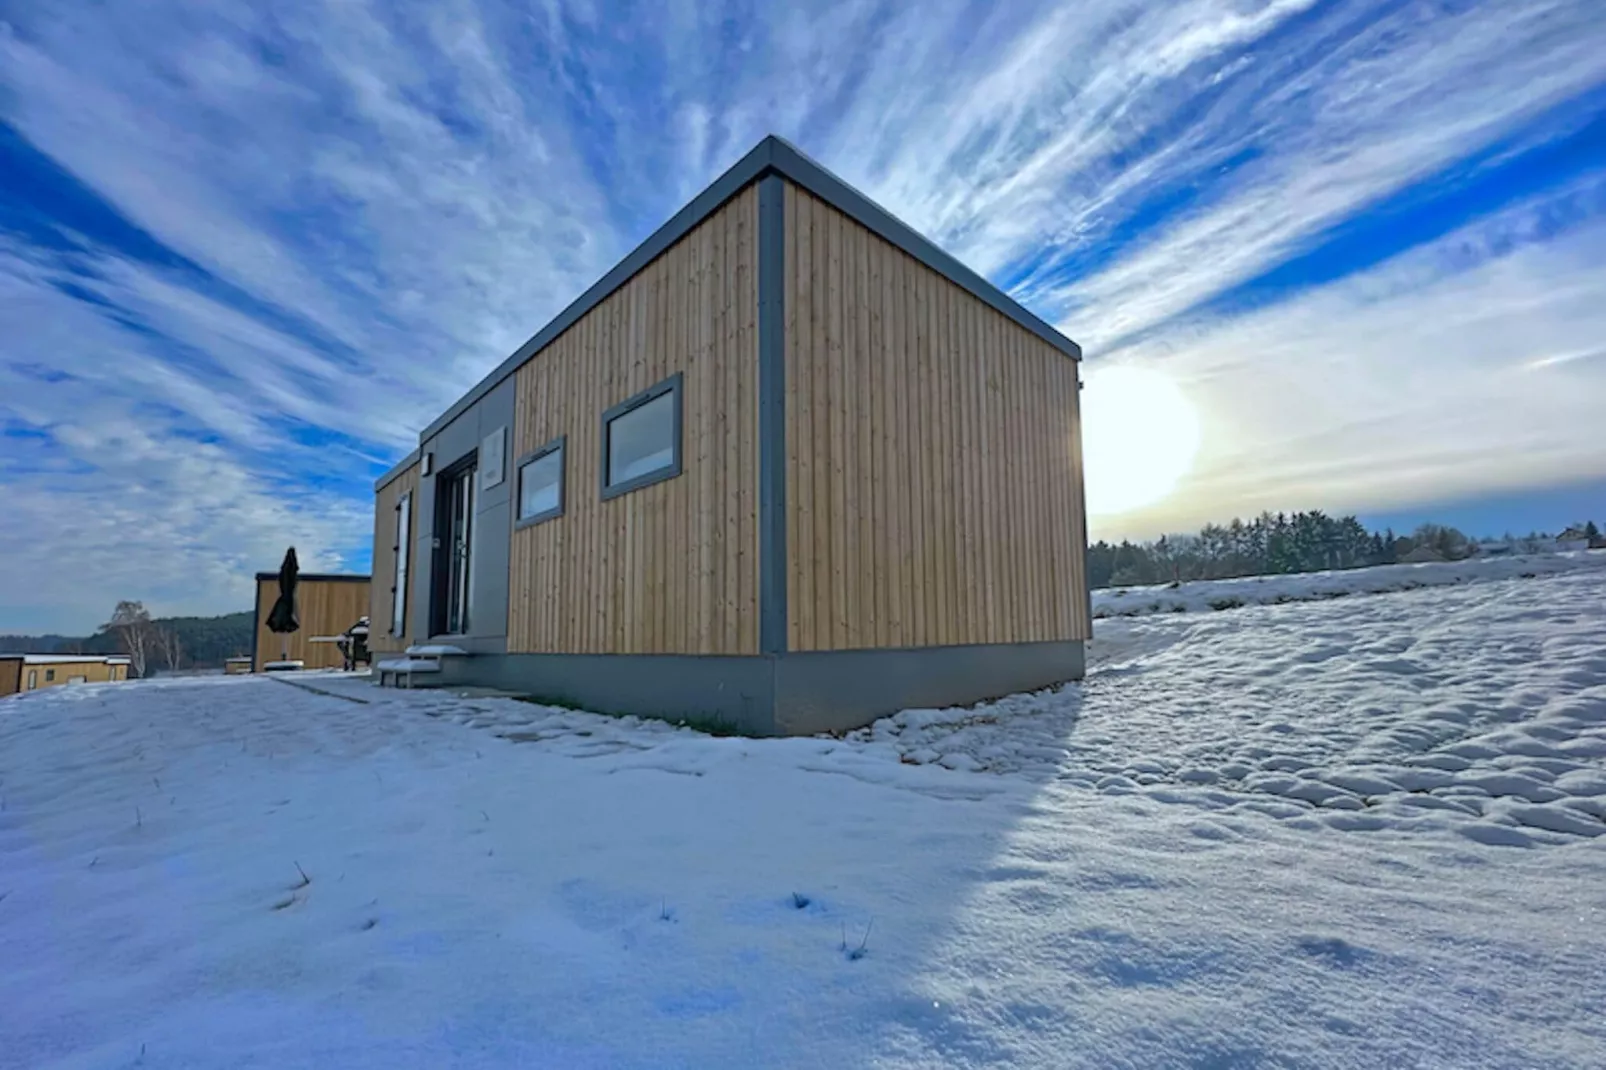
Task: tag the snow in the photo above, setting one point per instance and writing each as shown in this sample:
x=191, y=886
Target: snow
x=1200, y=596
x=1351, y=833
x=436, y=650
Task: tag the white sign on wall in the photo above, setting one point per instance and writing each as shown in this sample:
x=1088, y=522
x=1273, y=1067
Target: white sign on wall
x=491, y=460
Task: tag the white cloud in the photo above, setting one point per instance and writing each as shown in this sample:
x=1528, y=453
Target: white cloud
x=383, y=201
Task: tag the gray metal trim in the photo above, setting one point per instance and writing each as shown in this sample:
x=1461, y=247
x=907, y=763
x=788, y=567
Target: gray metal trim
x=772, y=414
x=671, y=385
x=396, y=470
x=778, y=156
x=557, y=444
x=705, y=204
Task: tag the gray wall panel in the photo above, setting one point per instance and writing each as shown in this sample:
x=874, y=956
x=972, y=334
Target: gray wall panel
x=789, y=695
x=492, y=522
x=834, y=691
x=736, y=690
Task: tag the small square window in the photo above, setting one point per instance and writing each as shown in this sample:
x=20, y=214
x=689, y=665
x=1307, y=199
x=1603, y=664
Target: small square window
x=50, y=674
x=641, y=439
x=541, y=484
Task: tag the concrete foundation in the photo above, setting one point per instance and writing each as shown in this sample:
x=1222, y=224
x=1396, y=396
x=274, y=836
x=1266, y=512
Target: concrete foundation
x=773, y=695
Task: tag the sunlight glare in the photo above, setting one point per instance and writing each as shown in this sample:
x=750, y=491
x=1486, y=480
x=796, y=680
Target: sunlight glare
x=1140, y=434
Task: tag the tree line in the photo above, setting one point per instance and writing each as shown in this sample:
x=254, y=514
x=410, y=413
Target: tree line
x=1283, y=543
x=152, y=644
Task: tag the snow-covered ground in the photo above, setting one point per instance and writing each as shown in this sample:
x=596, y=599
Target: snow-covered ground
x=1352, y=833
x=1199, y=596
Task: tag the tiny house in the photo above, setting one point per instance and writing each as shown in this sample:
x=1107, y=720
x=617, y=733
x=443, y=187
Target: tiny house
x=788, y=465
x=32, y=672
x=326, y=604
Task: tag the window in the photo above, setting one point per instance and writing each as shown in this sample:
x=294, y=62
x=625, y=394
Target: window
x=50, y=674
x=398, y=590
x=641, y=439
x=541, y=484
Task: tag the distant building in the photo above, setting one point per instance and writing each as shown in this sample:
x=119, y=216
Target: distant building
x=1572, y=539
x=1421, y=556
x=1495, y=549
x=32, y=672
x=327, y=604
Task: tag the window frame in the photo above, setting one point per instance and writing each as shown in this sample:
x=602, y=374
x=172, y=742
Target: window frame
x=559, y=445
x=401, y=567
x=50, y=676
x=672, y=386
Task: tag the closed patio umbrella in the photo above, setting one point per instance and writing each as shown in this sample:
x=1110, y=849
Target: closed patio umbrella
x=282, y=618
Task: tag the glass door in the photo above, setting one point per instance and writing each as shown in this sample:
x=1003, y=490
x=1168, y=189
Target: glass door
x=454, y=541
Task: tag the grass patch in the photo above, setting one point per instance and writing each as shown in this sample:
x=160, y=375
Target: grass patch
x=1219, y=604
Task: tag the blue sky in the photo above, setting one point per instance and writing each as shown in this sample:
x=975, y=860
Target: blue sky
x=247, y=252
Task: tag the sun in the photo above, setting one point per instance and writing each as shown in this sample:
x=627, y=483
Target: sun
x=1139, y=433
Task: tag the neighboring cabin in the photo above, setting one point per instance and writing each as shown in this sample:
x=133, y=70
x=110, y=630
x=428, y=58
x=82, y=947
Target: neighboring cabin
x=1572, y=539
x=788, y=465
x=31, y=672
x=327, y=604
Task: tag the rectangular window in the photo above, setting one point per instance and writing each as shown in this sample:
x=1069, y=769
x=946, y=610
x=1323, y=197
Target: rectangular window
x=541, y=484
x=398, y=591
x=641, y=439
x=50, y=674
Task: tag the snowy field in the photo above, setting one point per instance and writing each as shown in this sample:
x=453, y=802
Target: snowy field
x=1362, y=832
x=1198, y=596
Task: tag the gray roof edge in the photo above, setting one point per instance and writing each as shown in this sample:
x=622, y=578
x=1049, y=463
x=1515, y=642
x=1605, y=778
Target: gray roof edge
x=733, y=181
x=773, y=154
x=397, y=469
x=814, y=177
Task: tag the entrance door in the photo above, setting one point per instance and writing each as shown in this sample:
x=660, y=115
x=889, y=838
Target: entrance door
x=454, y=540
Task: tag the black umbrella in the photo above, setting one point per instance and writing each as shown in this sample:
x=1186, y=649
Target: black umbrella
x=282, y=619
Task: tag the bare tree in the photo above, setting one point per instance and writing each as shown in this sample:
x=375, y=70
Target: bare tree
x=135, y=631
x=168, y=645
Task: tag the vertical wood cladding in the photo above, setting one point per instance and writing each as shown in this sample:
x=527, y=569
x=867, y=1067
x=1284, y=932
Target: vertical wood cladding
x=671, y=568
x=381, y=603
x=934, y=486
x=325, y=607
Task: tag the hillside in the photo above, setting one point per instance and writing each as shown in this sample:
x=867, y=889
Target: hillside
x=207, y=641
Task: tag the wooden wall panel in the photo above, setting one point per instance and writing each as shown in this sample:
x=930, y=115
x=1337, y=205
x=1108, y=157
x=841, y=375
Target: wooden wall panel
x=671, y=568
x=382, y=595
x=933, y=459
x=326, y=607
x=10, y=676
